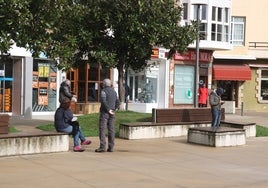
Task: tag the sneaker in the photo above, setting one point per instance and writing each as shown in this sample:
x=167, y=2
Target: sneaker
x=110, y=150
x=78, y=149
x=86, y=142
x=99, y=150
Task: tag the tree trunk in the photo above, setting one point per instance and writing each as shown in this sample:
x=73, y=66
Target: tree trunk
x=121, y=89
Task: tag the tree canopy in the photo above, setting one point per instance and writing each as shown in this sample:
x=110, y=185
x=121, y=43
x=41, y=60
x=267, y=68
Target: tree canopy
x=115, y=33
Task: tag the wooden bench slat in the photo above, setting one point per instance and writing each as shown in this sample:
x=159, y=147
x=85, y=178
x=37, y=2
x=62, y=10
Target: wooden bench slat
x=166, y=115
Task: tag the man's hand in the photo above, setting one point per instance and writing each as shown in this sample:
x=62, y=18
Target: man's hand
x=111, y=112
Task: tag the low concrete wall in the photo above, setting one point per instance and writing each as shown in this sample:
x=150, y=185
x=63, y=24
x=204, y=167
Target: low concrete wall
x=223, y=136
x=146, y=130
x=30, y=144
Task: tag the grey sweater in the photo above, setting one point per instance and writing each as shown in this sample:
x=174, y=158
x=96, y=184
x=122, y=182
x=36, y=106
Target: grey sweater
x=215, y=101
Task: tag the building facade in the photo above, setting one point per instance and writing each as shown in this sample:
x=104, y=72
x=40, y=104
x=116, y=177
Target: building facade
x=245, y=66
x=232, y=54
x=175, y=80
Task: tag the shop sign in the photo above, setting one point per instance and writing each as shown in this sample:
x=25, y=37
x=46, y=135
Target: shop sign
x=155, y=53
x=191, y=56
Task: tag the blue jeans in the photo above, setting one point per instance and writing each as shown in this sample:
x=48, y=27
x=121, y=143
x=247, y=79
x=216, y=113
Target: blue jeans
x=216, y=118
x=79, y=134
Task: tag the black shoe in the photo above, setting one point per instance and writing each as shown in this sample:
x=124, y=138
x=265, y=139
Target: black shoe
x=99, y=150
x=110, y=150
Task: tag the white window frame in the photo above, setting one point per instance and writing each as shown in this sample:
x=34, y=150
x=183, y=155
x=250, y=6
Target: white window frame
x=238, y=36
x=221, y=22
x=259, y=80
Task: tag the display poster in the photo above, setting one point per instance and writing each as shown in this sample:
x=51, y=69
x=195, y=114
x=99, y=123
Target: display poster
x=53, y=81
x=43, y=70
x=35, y=79
x=183, y=84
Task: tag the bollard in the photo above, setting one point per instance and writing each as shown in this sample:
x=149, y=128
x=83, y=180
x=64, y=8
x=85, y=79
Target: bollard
x=242, y=108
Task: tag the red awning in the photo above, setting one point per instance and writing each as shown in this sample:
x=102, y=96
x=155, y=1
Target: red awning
x=231, y=72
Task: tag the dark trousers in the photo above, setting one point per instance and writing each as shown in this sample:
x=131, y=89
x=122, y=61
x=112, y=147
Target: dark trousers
x=106, y=120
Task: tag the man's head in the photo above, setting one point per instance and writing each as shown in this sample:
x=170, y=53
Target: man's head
x=107, y=82
x=67, y=82
x=219, y=91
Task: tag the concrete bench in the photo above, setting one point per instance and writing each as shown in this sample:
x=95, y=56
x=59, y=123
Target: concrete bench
x=176, y=122
x=31, y=143
x=145, y=130
x=217, y=137
x=167, y=122
x=250, y=128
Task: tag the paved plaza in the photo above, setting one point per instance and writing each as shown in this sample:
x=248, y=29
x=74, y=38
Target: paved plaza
x=158, y=163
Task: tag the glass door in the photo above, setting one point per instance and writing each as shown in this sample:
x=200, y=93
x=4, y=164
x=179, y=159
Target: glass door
x=6, y=79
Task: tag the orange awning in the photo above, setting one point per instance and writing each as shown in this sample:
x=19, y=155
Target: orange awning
x=231, y=72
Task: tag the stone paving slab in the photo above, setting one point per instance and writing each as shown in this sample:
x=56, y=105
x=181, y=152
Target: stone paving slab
x=168, y=162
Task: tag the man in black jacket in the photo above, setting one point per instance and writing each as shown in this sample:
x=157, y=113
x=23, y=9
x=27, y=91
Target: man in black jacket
x=109, y=103
x=65, y=91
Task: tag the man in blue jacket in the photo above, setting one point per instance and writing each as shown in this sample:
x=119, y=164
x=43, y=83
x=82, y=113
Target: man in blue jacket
x=64, y=121
x=109, y=103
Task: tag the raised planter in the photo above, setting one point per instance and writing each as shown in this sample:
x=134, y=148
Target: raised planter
x=4, y=122
x=217, y=137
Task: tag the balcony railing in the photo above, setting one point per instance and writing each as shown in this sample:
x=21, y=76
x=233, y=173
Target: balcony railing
x=259, y=45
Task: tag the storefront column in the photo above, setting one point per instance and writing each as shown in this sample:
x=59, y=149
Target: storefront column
x=27, y=88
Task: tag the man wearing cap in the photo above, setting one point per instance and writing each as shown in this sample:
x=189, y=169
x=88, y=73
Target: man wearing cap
x=215, y=103
x=109, y=103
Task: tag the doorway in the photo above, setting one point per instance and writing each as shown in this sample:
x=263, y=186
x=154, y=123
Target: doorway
x=6, y=81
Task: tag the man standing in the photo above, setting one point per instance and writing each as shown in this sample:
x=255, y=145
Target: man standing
x=109, y=103
x=215, y=103
x=65, y=92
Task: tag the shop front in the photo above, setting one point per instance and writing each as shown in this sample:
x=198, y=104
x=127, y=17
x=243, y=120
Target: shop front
x=86, y=84
x=182, y=77
x=231, y=77
x=168, y=83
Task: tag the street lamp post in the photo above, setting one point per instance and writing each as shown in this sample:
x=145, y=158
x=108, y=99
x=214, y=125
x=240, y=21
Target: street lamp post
x=197, y=60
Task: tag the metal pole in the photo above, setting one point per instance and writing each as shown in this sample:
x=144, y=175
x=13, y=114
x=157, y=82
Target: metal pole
x=126, y=87
x=197, y=59
x=242, y=108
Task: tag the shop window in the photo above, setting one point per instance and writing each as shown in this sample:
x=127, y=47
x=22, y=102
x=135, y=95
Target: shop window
x=184, y=84
x=93, y=92
x=81, y=97
x=144, y=85
x=93, y=70
x=90, y=77
x=230, y=89
x=6, y=82
x=264, y=84
x=145, y=89
x=44, y=85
